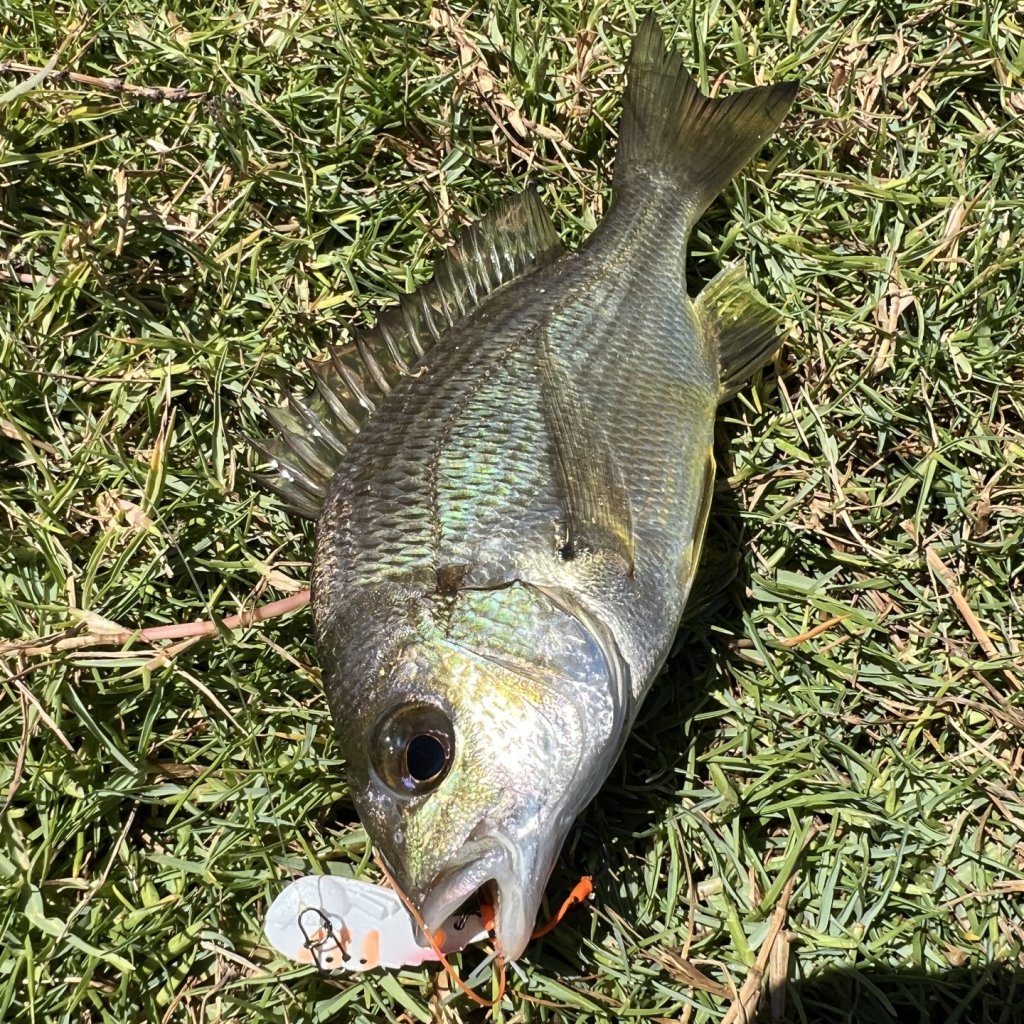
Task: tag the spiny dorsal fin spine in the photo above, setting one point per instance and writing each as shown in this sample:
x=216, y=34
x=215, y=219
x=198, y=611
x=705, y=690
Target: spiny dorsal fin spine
x=410, y=324
x=392, y=347
x=315, y=425
x=429, y=317
x=371, y=364
x=326, y=387
x=476, y=284
x=454, y=297
x=349, y=383
x=481, y=279
x=295, y=454
x=352, y=380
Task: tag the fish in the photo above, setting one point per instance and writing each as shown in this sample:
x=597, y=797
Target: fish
x=511, y=476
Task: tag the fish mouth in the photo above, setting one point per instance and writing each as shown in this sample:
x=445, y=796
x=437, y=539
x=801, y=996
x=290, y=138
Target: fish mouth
x=492, y=867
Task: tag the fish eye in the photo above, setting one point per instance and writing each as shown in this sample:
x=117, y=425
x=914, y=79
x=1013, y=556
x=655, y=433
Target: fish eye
x=412, y=748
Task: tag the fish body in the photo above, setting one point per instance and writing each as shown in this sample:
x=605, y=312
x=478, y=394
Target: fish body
x=506, y=543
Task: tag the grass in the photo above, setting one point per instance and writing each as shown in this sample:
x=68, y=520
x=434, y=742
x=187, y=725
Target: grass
x=836, y=744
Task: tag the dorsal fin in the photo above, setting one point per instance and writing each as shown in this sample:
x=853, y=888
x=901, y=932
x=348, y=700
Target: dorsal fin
x=313, y=432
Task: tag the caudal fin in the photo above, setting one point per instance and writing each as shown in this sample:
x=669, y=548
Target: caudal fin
x=671, y=129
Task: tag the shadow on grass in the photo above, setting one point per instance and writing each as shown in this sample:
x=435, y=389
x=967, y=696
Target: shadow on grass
x=983, y=994
x=612, y=834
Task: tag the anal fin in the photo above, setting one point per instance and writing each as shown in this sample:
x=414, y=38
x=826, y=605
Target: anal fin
x=743, y=327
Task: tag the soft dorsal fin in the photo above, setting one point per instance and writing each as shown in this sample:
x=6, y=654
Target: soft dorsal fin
x=313, y=432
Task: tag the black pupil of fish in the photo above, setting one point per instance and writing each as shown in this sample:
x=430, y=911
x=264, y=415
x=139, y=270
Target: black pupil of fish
x=425, y=757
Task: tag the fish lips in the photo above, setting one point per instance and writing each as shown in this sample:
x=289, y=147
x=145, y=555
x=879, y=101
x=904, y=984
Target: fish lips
x=512, y=886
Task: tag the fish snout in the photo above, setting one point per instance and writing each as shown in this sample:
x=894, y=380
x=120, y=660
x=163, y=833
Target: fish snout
x=508, y=876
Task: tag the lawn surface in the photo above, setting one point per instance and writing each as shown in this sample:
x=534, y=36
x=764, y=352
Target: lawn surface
x=826, y=782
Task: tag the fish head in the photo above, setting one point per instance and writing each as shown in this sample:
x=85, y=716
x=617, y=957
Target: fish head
x=476, y=745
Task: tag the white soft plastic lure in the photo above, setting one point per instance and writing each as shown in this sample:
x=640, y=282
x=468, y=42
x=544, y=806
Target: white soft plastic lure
x=342, y=924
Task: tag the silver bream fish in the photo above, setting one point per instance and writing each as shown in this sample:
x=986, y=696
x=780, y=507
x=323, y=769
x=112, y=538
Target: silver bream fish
x=511, y=475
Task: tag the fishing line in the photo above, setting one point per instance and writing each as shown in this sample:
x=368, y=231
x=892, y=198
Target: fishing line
x=435, y=944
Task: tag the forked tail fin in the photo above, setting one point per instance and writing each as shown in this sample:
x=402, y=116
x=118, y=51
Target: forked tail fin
x=671, y=129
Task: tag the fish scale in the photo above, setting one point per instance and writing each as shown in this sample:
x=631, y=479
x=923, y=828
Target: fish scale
x=512, y=476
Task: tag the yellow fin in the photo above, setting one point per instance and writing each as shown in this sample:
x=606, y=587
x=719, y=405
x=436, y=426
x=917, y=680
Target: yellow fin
x=741, y=325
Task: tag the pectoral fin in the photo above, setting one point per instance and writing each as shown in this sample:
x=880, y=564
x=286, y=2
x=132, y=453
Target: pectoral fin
x=743, y=327
x=700, y=525
x=597, y=511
